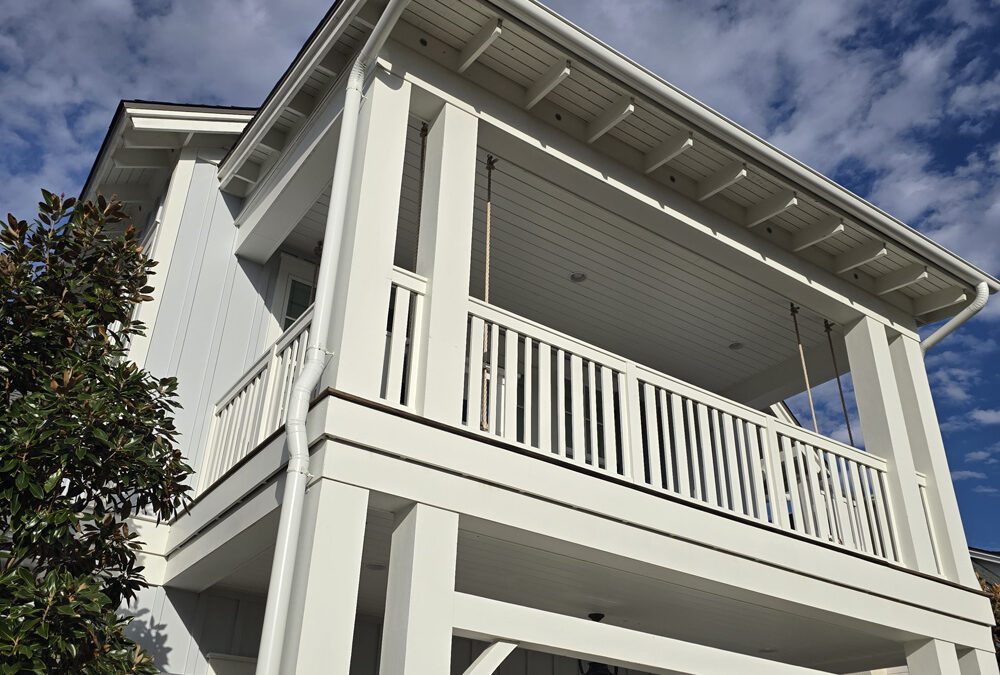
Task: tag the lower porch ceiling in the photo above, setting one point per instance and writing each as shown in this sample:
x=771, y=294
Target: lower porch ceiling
x=510, y=571
x=643, y=296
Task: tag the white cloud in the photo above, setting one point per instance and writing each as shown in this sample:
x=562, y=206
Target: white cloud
x=61, y=80
x=986, y=490
x=966, y=475
x=985, y=417
x=978, y=456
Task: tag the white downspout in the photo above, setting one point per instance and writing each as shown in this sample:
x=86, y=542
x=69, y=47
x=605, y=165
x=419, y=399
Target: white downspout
x=293, y=497
x=982, y=295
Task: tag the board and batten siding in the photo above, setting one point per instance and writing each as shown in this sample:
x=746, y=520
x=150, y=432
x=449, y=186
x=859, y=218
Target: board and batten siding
x=210, y=325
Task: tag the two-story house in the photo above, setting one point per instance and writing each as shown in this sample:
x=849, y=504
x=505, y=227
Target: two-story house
x=480, y=327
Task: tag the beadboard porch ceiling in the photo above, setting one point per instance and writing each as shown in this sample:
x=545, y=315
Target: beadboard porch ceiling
x=508, y=570
x=644, y=297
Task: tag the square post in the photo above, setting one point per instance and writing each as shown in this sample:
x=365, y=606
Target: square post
x=883, y=423
x=977, y=662
x=320, y=629
x=364, y=272
x=931, y=657
x=930, y=459
x=444, y=257
x=420, y=597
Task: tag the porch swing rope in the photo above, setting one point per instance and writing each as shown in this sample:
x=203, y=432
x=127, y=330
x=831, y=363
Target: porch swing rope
x=828, y=326
x=420, y=190
x=484, y=413
x=805, y=370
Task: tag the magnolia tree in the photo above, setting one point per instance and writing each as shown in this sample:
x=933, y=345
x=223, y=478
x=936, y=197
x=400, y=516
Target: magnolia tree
x=86, y=439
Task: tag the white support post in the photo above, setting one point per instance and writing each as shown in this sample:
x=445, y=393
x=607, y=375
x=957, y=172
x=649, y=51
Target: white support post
x=361, y=303
x=884, y=427
x=419, y=603
x=320, y=628
x=977, y=662
x=443, y=256
x=932, y=657
x=929, y=458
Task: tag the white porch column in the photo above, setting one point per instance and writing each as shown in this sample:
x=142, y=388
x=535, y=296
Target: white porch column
x=978, y=662
x=930, y=459
x=884, y=427
x=361, y=303
x=320, y=629
x=443, y=256
x=419, y=604
x=932, y=657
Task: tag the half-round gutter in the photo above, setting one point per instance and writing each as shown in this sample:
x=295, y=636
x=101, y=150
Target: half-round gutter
x=973, y=308
x=293, y=497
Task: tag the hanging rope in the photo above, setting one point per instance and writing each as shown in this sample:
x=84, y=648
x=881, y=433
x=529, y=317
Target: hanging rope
x=484, y=413
x=828, y=326
x=805, y=370
x=420, y=191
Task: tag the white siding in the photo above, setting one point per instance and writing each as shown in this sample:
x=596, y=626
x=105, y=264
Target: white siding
x=209, y=326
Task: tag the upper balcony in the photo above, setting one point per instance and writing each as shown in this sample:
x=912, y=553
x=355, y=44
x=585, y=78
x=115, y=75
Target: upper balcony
x=596, y=284
x=607, y=347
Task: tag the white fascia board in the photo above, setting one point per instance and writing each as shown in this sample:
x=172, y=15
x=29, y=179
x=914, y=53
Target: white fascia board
x=179, y=113
x=312, y=55
x=583, y=47
x=186, y=126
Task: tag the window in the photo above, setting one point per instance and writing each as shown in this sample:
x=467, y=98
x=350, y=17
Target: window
x=292, y=294
x=300, y=296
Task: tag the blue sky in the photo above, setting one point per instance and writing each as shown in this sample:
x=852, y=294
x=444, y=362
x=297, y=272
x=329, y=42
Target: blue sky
x=899, y=100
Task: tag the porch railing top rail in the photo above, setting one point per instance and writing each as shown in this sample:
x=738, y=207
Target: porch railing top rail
x=524, y=326
x=260, y=364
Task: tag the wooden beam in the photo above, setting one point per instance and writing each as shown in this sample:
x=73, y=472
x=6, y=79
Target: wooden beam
x=126, y=192
x=666, y=151
x=479, y=43
x=947, y=297
x=150, y=140
x=901, y=278
x=721, y=179
x=845, y=262
x=556, y=73
x=302, y=104
x=333, y=64
x=480, y=618
x=491, y=658
x=770, y=207
x=814, y=234
x=607, y=120
x=141, y=159
x=273, y=141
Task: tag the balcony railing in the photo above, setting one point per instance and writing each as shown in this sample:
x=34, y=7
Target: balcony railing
x=257, y=405
x=555, y=395
x=558, y=396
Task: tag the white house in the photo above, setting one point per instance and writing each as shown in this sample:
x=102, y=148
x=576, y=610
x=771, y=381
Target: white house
x=479, y=328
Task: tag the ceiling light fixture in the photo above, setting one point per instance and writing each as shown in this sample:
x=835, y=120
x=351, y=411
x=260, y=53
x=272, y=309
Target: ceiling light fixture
x=577, y=277
x=736, y=346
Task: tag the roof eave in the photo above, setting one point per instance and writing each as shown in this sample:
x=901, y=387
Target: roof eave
x=641, y=80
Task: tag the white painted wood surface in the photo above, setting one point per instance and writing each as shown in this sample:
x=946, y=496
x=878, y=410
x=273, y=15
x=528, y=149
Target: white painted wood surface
x=404, y=339
x=603, y=413
x=256, y=406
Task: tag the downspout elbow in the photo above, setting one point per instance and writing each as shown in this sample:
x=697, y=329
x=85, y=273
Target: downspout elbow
x=973, y=308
